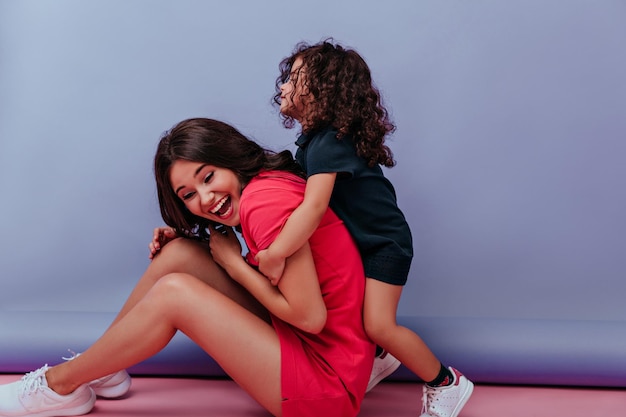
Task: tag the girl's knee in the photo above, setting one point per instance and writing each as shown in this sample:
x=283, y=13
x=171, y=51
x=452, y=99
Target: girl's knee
x=378, y=328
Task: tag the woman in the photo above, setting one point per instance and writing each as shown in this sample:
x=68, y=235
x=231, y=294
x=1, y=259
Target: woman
x=299, y=348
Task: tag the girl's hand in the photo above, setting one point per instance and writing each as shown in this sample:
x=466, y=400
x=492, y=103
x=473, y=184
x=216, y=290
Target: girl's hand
x=225, y=247
x=271, y=267
x=160, y=237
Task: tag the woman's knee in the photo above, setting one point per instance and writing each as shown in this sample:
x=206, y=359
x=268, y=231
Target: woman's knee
x=180, y=253
x=182, y=248
x=172, y=288
x=174, y=298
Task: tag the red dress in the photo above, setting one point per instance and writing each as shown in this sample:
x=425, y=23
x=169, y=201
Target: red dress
x=322, y=375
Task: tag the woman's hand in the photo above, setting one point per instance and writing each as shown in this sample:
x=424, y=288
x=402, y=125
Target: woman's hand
x=160, y=237
x=225, y=247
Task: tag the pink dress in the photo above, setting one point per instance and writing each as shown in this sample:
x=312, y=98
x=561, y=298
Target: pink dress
x=322, y=375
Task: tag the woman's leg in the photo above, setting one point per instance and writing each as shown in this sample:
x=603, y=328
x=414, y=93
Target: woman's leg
x=192, y=257
x=379, y=317
x=245, y=345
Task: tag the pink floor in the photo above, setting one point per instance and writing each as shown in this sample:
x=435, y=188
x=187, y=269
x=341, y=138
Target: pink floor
x=187, y=397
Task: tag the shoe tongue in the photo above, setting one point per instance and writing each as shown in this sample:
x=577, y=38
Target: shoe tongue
x=43, y=381
x=40, y=376
x=35, y=380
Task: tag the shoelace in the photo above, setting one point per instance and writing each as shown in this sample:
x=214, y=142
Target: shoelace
x=427, y=402
x=74, y=355
x=33, y=381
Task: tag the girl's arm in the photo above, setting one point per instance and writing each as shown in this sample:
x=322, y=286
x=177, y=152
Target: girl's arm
x=299, y=227
x=297, y=299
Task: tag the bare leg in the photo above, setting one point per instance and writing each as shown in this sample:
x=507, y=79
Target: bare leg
x=194, y=258
x=379, y=315
x=245, y=345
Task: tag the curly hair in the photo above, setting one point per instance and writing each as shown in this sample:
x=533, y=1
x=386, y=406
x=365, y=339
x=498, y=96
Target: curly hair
x=215, y=143
x=342, y=95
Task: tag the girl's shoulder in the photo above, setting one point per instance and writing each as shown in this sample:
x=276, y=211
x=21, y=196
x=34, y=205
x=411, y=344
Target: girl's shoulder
x=327, y=138
x=327, y=132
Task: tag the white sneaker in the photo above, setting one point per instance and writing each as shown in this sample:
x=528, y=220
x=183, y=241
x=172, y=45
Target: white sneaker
x=384, y=365
x=449, y=400
x=111, y=386
x=31, y=397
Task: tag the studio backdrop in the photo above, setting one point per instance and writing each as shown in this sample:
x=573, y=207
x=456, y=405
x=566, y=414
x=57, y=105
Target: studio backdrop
x=510, y=149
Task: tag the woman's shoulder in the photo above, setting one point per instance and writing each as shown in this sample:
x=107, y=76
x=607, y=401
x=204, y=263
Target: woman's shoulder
x=271, y=179
x=268, y=200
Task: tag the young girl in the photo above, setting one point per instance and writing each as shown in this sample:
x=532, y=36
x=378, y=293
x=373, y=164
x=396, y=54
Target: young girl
x=299, y=348
x=328, y=89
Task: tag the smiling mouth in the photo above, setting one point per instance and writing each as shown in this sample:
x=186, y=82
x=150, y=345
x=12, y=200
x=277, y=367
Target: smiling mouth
x=223, y=208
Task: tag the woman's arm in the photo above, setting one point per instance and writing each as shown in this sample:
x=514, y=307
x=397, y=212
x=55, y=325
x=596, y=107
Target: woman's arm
x=297, y=300
x=299, y=227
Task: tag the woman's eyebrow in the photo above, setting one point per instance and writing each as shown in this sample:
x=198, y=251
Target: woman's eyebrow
x=195, y=174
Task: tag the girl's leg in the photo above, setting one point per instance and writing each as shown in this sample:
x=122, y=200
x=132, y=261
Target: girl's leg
x=192, y=257
x=379, y=317
x=245, y=345
x=450, y=390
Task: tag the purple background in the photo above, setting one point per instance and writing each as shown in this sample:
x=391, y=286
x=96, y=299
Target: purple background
x=510, y=147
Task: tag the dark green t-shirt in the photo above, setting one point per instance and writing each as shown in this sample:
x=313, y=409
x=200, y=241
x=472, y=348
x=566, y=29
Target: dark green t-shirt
x=366, y=202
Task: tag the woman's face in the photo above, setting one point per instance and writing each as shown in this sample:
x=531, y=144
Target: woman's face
x=293, y=91
x=207, y=191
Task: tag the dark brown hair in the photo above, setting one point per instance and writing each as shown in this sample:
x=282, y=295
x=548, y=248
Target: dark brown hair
x=342, y=95
x=215, y=143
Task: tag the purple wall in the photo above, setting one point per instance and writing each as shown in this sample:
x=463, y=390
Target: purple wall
x=510, y=147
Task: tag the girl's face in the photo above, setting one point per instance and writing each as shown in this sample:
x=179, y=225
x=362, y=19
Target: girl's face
x=207, y=191
x=293, y=91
